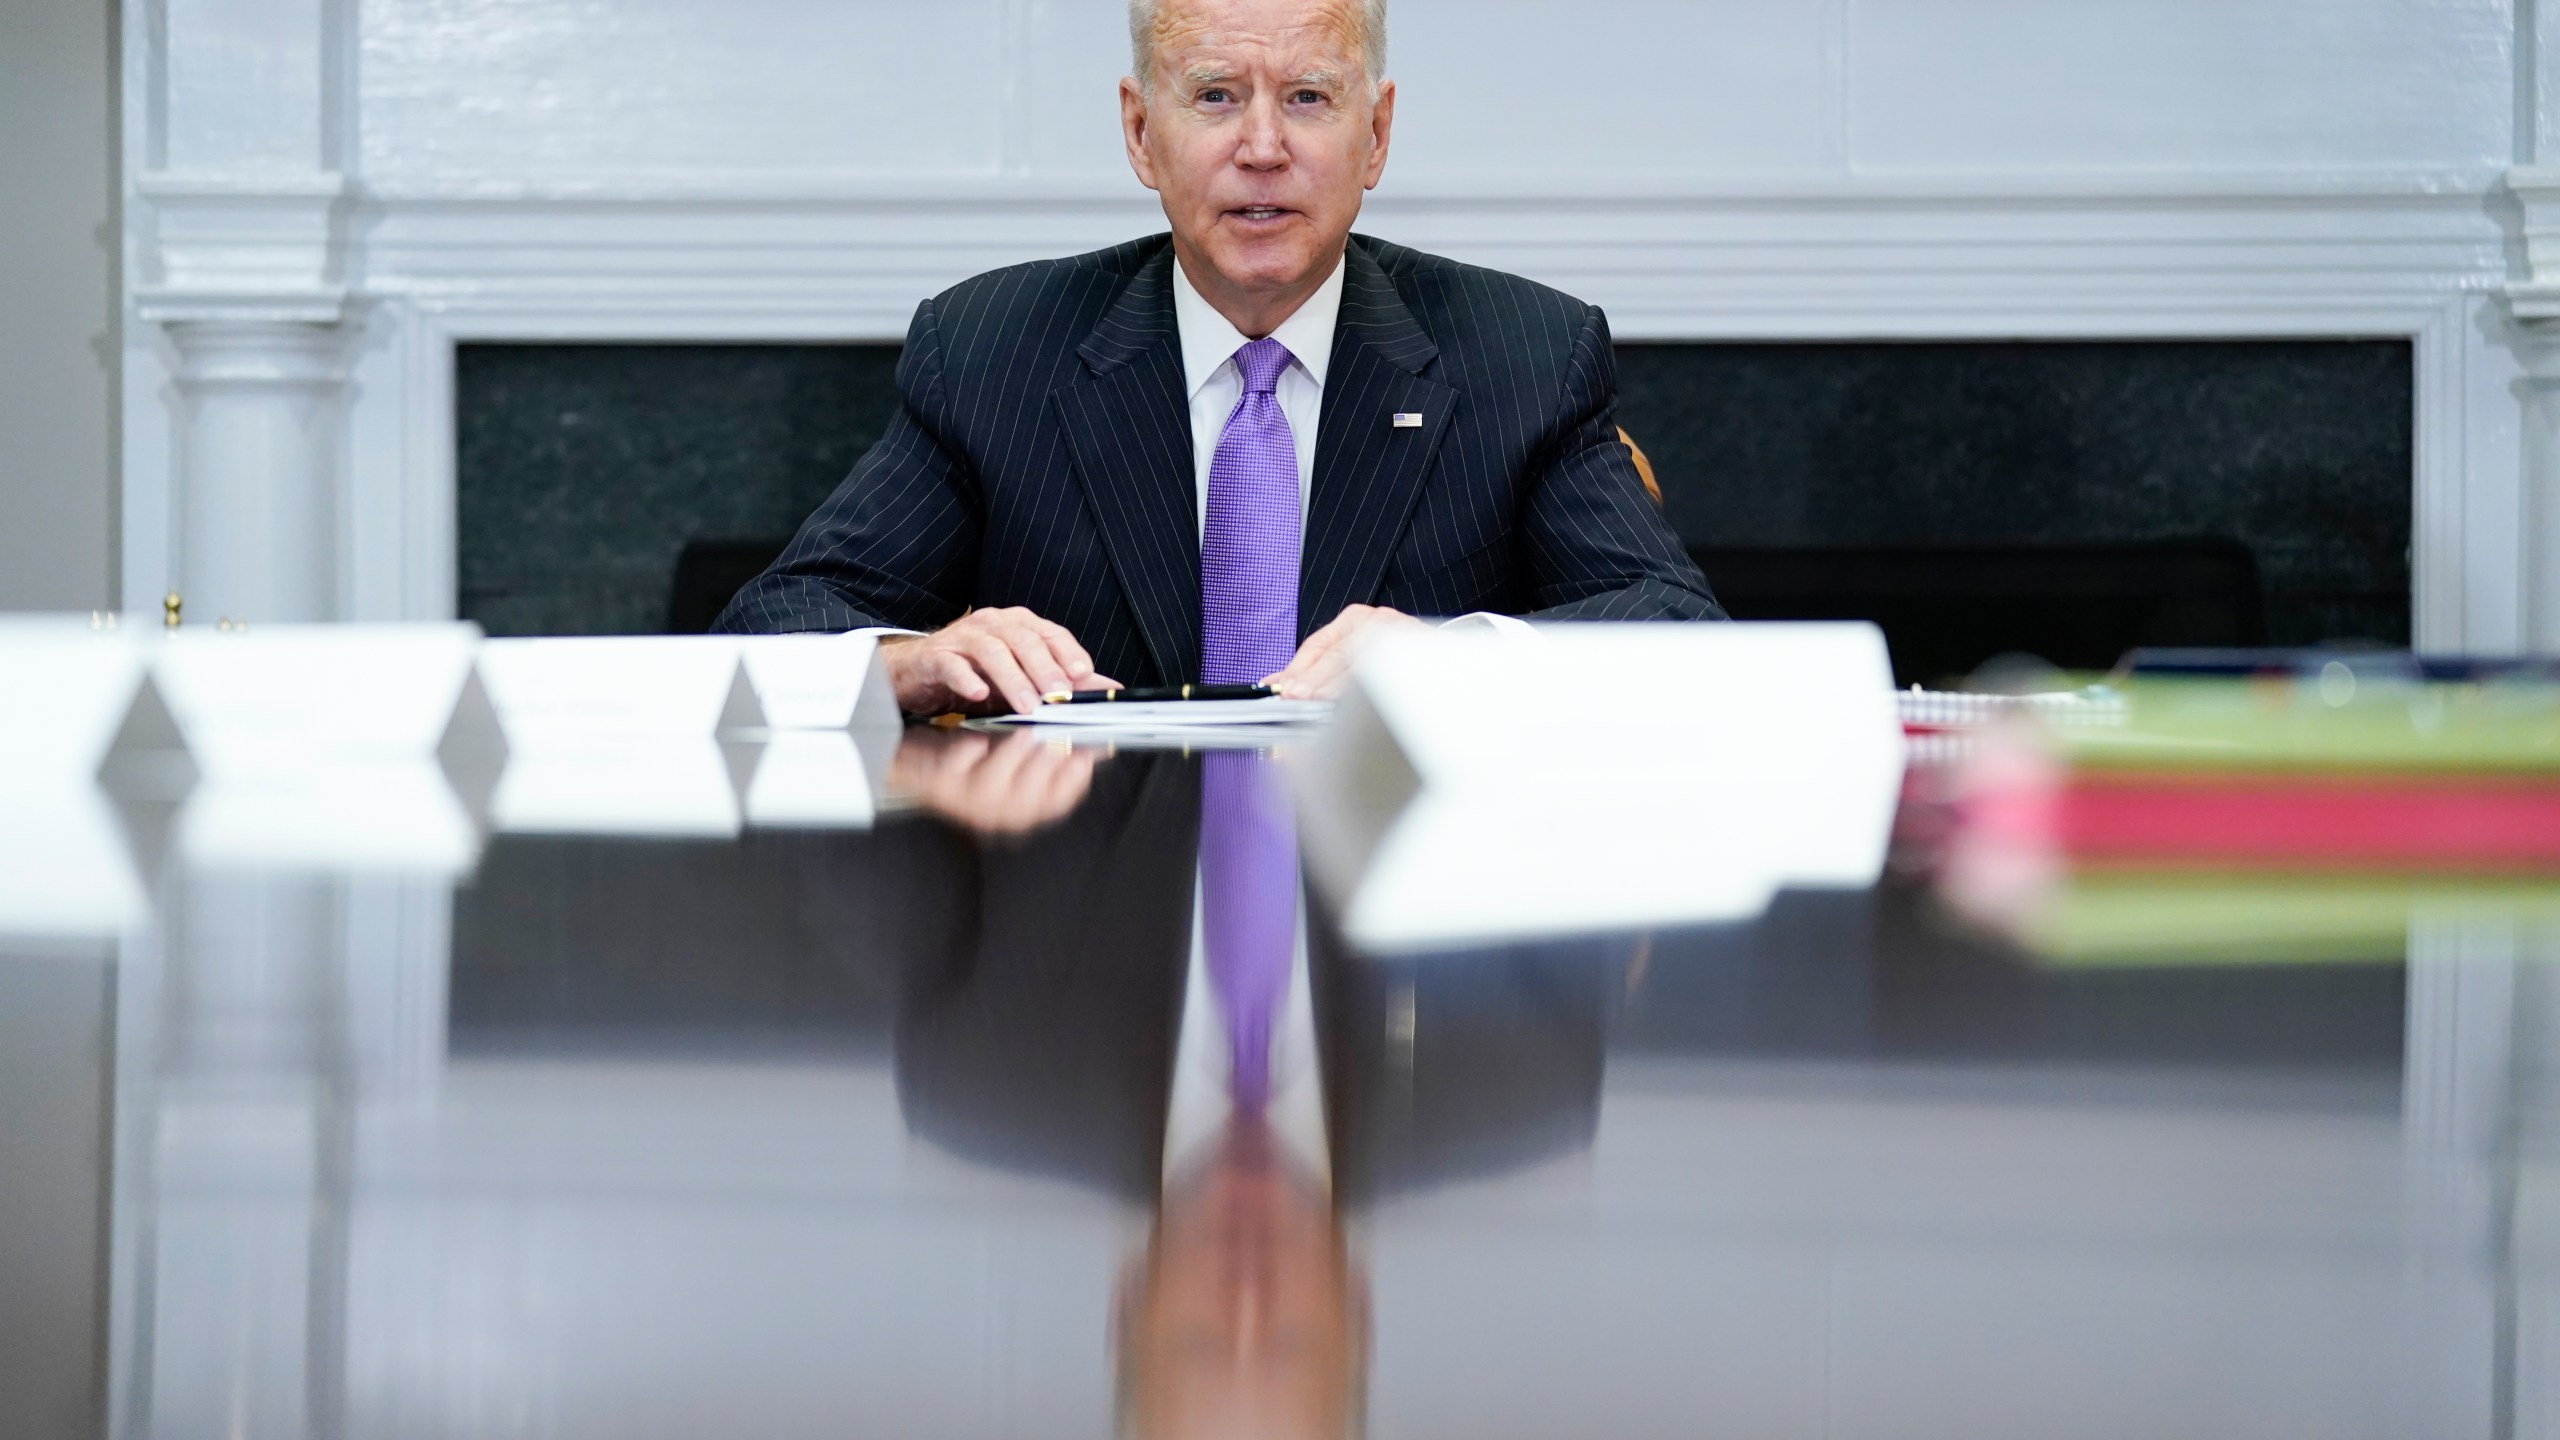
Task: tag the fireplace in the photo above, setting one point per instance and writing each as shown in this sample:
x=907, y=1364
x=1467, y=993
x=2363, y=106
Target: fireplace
x=2059, y=499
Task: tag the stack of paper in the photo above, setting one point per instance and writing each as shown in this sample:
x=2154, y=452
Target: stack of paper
x=2267, y=818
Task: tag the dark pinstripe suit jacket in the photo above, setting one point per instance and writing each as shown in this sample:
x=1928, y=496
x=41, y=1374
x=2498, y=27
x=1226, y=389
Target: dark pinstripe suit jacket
x=1042, y=457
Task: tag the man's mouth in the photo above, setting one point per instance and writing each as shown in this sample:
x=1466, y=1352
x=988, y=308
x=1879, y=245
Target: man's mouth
x=1259, y=213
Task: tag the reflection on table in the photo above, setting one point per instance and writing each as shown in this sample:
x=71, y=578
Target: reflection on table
x=884, y=1131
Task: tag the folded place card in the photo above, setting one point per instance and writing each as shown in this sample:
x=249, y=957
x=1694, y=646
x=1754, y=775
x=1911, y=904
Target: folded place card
x=289, y=697
x=550, y=691
x=81, y=702
x=821, y=682
x=1476, y=788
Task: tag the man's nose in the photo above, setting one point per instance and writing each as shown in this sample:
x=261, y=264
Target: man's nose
x=1265, y=144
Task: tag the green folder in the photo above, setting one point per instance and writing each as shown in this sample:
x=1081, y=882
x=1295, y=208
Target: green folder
x=2166, y=918
x=2324, y=723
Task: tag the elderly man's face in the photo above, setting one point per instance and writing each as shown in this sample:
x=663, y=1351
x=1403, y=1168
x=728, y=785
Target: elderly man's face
x=1261, y=136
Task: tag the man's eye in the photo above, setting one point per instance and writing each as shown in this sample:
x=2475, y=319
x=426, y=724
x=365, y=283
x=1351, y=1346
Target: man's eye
x=1214, y=97
x=1310, y=97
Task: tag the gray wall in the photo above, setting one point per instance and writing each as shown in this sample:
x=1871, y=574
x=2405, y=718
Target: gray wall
x=55, y=1050
x=57, y=304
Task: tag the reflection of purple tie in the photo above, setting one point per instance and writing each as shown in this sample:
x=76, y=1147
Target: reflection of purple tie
x=1249, y=546
x=1248, y=906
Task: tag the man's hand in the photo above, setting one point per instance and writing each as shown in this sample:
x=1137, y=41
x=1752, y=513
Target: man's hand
x=1323, y=663
x=996, y=785
x=987, y=662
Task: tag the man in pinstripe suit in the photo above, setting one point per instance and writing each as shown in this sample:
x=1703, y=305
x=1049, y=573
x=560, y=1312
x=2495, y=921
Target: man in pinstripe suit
x=1088, y=480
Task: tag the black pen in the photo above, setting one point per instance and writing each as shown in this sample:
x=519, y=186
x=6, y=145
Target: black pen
x=1168, y=692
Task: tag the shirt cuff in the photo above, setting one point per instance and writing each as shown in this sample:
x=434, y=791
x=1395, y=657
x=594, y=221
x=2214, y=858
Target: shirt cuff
x=1487, y=620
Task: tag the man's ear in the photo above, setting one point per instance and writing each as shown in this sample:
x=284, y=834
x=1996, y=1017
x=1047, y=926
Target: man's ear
x=1133, y=131
x=1382, y=124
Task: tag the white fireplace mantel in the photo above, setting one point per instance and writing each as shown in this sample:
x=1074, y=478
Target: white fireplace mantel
x=799, y=170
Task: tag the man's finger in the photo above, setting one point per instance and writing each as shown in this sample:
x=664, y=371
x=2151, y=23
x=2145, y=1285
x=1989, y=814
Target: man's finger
x=1338, y=632
x=995, y=661
x=1315, y=677
x=1019, y=621
x=1324, y=680
x=1062, y=643
x=1310, y=650
x=1036, y=653
x=958, y=677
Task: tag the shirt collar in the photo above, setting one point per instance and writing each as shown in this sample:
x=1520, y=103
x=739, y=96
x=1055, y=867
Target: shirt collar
x=1209, y=341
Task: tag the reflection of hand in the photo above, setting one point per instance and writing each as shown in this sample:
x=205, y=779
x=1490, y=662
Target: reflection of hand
x=987, y=662
x=1323, y=663
x=994, y=784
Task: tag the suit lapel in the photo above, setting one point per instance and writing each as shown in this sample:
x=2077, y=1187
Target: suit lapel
x=1369, y=471
x=1128, y=426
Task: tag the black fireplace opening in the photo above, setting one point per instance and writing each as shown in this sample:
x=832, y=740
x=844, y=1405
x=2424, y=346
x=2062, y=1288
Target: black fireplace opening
x=2066, y=501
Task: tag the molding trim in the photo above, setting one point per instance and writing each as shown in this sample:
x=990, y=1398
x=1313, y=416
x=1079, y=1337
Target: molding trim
x=2536, y=191
x=259, y=355
x=243, y=248
x=1967, y=261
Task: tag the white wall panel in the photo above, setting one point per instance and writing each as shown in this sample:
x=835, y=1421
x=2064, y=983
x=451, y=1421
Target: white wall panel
x=2184, y=85
x=583, y=93
x=1065, y=90
x=245, y=86
x=1505, y=91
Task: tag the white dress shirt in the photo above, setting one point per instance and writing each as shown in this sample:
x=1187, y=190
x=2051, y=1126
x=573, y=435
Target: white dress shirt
x=1204, y=1069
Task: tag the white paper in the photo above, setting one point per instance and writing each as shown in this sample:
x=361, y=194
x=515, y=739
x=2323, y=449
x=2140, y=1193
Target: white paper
x=1168, y=715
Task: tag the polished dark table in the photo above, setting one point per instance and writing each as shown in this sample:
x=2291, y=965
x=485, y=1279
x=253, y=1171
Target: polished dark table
x=862, y=1133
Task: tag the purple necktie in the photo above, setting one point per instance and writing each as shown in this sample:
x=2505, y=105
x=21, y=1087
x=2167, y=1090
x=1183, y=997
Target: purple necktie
x=1248, y=907
x=1249, y=547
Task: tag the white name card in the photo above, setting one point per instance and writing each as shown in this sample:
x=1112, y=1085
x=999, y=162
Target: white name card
x=1476, y=788
x=289, y=697
x=76, y=697
x=572, y=689
x=821, y=682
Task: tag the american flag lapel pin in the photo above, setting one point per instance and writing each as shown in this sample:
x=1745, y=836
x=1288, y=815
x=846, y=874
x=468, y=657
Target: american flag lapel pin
x=1406, y=420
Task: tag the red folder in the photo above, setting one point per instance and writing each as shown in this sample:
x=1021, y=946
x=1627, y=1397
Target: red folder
x=2297, y=822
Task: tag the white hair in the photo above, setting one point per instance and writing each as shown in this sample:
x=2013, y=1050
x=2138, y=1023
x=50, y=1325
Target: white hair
x=1142, y=41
